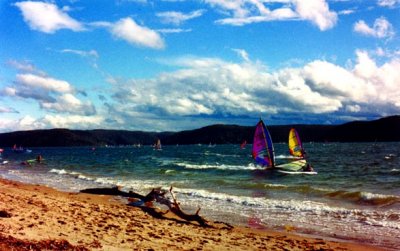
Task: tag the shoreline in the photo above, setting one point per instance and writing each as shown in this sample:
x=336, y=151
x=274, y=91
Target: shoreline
x=35, y=214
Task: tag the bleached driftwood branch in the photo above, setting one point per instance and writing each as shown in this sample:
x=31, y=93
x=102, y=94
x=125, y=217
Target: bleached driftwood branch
x=158, y=195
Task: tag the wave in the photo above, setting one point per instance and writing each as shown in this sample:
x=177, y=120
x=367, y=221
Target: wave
x=365, y=198
x=72, y=174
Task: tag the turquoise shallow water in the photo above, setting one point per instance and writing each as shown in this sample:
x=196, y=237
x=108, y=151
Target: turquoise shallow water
x=355, y=195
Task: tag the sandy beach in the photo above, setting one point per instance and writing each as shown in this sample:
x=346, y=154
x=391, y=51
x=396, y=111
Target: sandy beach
x=34, y=217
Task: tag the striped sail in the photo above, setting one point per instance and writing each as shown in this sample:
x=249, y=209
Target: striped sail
x=295, y=146
x=263, y=150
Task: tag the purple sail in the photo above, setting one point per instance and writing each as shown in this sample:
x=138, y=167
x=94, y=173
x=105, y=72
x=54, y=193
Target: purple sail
x=263, y=149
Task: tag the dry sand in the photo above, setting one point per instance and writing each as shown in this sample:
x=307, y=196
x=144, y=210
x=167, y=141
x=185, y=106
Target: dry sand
x=34, y=217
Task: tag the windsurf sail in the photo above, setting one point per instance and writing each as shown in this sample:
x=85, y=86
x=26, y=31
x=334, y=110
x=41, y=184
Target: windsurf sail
x=157, y=145
x=243, y=145
x=263, y=149
x=295, y=146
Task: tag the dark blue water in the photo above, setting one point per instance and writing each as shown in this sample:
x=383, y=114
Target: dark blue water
x=355, y=195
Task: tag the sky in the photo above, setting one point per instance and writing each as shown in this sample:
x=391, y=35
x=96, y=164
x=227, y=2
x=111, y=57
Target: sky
x=172, y=65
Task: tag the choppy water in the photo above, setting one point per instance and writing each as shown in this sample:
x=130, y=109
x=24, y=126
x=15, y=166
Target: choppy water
x=355, y=196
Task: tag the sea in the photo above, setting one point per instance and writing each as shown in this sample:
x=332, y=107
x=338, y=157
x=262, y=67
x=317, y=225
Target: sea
x=354, y=197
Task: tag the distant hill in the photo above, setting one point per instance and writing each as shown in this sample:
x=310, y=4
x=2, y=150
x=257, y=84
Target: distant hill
x=385, y=129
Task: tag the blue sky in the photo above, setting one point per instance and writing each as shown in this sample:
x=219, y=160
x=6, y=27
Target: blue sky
x=171, y=65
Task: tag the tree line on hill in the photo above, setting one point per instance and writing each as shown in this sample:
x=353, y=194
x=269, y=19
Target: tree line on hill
x=384, y=129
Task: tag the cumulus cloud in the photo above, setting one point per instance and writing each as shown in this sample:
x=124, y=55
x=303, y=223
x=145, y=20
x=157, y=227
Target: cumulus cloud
x=243, y=12
x=51, y=121
x=69, y=103
x=72, y=121
x=177, y=18
x=316, y=11
x=52, y=94
x=210, y=87
x=128, y=30
x=382, y=28
x=43, y=82
x=25, y=123
x=47, y=17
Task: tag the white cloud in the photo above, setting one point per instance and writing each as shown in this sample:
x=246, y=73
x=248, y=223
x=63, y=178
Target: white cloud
x=212, y=87
x=388, y=3
x=51, y=121
x=177, y=18
x=47, y=17
x=243, y=54
x=68, y=103
x=251, y=11
x=43, y=82
x=317, y=11
x=91, y=53
x=353, y=108
x=25, y=66
x=346, y=12
x=381, y=28
x=25, y=123
x=128, y=30
x=52, y=94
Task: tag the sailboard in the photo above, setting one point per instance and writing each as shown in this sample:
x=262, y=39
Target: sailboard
x=263, y=149
x=298, y=172
x=294, y=166
x=295, y=146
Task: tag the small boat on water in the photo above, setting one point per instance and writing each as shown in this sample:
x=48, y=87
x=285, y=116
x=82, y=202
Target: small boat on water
x=243, y=145
x=20, y=149
x=157, y=145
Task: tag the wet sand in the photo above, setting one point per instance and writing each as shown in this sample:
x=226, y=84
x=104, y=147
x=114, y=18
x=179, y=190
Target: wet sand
x=34, y=217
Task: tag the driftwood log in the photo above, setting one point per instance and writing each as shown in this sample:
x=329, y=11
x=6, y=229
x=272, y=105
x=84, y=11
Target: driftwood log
x=156, y=195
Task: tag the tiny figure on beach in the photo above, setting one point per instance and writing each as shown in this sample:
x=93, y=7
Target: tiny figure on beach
x=308, y=168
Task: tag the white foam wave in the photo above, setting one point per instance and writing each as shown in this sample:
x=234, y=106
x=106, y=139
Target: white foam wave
x=58, y=171
x=372, y=196
x=250, y=166
x=301, y=209
x=73, y=174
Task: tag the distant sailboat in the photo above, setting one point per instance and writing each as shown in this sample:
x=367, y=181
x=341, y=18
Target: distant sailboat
x=20, y=149
x=157, y=145
x=263, y=149
x=243, y=145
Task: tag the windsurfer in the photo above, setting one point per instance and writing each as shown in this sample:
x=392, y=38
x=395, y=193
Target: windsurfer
x=39, y=158
x=308, y=168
